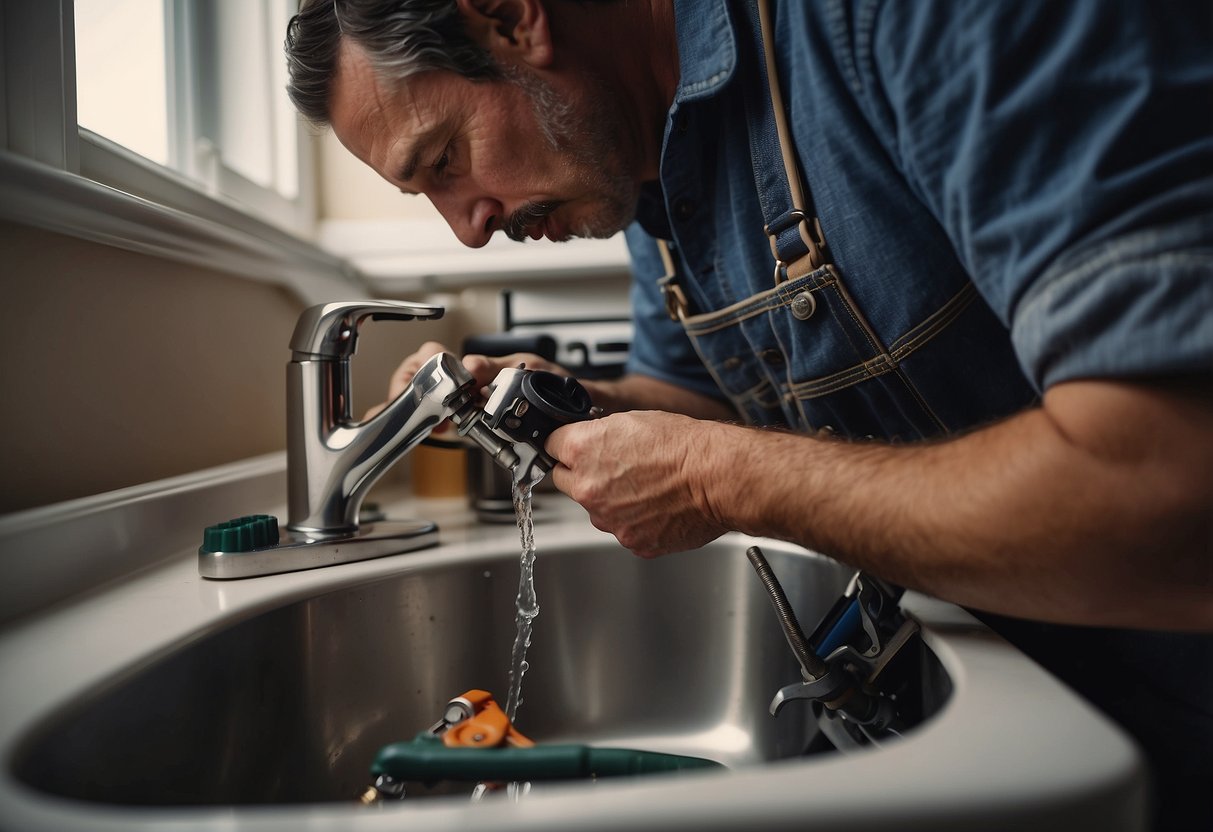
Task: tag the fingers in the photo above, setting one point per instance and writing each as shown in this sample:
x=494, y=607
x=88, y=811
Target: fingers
x=482, y=367
x=403, y=375
x=629, y=472
x=408, y=368
x=485, y=368
x=561, y=477
x=561, y=445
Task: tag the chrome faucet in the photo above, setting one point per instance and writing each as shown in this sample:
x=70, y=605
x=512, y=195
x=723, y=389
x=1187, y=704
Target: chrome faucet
x=333, y=460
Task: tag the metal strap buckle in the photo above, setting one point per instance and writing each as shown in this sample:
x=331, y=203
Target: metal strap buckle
x=810, y=232
x=675, y=299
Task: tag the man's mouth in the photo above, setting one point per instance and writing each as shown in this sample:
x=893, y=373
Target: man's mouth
x=547, y=227
x=552, y=229
x=531, y=220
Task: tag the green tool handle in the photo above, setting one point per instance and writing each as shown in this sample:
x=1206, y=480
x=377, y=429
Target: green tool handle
x=426, y=759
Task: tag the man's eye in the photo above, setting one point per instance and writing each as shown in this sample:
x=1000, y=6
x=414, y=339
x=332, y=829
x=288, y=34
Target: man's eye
x=442, y=162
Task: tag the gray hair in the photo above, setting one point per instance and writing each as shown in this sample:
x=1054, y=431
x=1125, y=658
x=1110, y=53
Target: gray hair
x=400, y=37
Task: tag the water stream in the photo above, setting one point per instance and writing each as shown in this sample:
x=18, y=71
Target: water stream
x=527, y=604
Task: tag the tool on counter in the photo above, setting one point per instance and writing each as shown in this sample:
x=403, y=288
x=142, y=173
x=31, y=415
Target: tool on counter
x=845, y=664
x=475, y=742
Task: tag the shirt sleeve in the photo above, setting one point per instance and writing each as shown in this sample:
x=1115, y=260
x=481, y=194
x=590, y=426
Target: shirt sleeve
x=661, y=348
x=1067, y=150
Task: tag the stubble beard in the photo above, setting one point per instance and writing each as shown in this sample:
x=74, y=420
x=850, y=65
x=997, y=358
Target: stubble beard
x=587, y=140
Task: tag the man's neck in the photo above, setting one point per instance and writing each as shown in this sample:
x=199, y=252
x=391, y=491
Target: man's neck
x=632, y=46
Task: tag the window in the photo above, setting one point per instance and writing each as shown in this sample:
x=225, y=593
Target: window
x=197, y=86
x=163, y=126
x=122, y=93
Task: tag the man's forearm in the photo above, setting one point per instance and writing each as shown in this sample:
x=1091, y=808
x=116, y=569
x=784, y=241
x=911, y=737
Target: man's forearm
x=639, y=392
x=1093, y=509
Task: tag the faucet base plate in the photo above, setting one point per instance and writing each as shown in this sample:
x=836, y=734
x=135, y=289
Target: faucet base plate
x=296, y=551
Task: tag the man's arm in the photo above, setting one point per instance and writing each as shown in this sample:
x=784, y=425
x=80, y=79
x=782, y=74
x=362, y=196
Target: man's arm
x=1094, y=508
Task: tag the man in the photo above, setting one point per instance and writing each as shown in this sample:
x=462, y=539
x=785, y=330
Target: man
x=983, y=309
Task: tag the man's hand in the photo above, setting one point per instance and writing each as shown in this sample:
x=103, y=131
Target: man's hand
x=483, y=368
x=636, y=475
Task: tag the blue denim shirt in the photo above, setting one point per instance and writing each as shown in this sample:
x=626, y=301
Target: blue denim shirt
x=1055, y=157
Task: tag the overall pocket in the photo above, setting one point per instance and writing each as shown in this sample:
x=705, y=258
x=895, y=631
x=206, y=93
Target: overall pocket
x=802, y=355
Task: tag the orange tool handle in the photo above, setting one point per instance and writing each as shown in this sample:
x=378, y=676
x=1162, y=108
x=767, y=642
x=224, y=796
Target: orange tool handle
x=488, y=727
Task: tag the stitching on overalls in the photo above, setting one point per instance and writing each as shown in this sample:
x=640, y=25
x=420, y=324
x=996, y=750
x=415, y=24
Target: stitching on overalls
x=921, y=335
x=922, y=402
x=863, y=326
x=734, y=319
x=914, y=339
x=846, y=331
x=884, y=362
x=754, y=396
x=835, y=381
x=935, y=322
x=757, y=392
x=711, y=368
x=870, y=333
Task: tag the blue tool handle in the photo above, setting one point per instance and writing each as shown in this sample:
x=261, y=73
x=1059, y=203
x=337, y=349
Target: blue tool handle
x=848, y=624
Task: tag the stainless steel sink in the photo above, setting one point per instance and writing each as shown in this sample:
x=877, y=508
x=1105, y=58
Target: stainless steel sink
x=681, y=654
x=160, y=700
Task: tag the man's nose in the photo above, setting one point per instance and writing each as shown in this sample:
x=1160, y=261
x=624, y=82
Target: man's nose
x=473, y=222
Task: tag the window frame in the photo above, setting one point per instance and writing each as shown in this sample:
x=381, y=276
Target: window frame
x=59, y=176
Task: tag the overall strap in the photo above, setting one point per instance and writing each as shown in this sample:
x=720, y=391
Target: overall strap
x=787, y=211
x=797, y=243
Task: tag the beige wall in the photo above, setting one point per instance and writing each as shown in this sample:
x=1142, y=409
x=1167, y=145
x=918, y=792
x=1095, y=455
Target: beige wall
x=119, y=368
x=349, y=190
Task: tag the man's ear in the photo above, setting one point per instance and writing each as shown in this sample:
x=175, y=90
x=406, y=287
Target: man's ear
x=512, y=31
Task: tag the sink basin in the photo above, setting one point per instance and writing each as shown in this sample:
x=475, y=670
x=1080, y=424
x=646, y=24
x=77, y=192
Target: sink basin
x=681, y=655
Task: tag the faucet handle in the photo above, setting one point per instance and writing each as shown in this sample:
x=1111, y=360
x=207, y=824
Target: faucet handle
x=330, y=330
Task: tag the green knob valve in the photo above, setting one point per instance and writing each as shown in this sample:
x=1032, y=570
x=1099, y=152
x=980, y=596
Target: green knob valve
x=243, y=534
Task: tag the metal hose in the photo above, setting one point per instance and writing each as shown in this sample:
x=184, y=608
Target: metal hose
x=811, y=666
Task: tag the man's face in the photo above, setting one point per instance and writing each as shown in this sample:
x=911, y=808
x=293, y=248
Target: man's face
x=512, y=155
